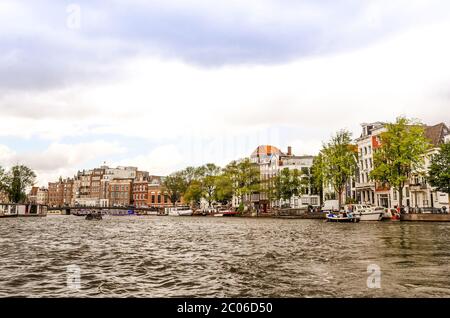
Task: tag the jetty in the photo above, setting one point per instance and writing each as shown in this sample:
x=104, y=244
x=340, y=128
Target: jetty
x=425, y=217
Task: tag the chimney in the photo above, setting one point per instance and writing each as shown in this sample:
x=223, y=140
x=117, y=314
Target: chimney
x=289, y=152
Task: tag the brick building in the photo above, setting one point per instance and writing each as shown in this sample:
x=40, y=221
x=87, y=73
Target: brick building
x=120, y=192
x=140, y=194
x=56, y=194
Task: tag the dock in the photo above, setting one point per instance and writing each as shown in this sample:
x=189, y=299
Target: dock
x=425, y=217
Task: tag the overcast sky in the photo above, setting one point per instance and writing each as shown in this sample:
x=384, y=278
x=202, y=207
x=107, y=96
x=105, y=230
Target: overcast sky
x=169, y=83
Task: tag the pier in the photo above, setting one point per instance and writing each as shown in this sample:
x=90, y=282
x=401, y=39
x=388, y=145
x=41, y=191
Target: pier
x=425, y=217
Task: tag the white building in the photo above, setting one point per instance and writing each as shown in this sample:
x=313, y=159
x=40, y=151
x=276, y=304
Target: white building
x=42, y=196
x=272, y=161
x=422, y=195
x=417, y=192
x=365, y=187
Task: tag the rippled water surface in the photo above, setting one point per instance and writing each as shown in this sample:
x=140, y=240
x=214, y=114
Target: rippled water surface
x=221, y=257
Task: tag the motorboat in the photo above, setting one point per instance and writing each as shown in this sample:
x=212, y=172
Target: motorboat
x=343, y=217
x=367, y=212
x=180, y=211
x=227, y=212
x=96, y=217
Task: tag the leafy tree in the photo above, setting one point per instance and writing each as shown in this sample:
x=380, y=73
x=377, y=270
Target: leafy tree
x=288, y=183
x=190, y=174
x=194, y=192
x=317, y=177
x=245, y=178
x=209, y=182
x=403, y=146
x=339, y=162
x=439, y=171
x=224, y=189
x=271, y=187
x=18, y=179
x=176, y=186
x=3, y=180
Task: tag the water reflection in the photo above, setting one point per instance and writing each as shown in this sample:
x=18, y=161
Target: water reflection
x=221, y=257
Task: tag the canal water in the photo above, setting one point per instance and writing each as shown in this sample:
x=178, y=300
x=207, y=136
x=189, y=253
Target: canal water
x=67, y=256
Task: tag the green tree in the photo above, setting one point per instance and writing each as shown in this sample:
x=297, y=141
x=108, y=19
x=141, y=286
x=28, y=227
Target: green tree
x=439, y=171
x=245, y=178
x=339, y=162
x=317, y=177
x=3, y=180
x=175, y=186
x=18, y=179
x=271, y=187
x=288, y=184
x=209, y=182
x=402, y=151
x=224, y=189
x=194, y=193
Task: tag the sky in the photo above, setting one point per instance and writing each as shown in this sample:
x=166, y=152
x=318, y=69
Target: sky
x=165, y=84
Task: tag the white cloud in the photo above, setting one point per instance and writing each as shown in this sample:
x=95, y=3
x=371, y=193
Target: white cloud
x=167, y=100
x=159, y=99
x=160, y=161
x=60, y=159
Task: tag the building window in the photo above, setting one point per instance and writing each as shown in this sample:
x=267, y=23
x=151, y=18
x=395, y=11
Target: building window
x=159, y=198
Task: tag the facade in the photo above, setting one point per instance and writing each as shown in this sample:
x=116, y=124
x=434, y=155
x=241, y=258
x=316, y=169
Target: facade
x=157, y=196
x=271, y=161
x=56, y=194
x=42, y=196
x=67, y=191
x=32, y=196
x=417, y=192
x=366, y=190
x=140, y=193
x=120, y=191
x=420, y=191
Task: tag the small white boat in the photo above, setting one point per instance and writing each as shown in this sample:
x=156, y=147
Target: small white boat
x=226, y=213
x=180, y=211
x=368, y=213
x=342, y=217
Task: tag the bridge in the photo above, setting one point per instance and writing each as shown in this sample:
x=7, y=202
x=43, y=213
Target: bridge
x=68, y=209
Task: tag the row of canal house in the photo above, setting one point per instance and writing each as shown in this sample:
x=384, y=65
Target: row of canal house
x=108, y=187
x=271, y=161
x=417, y=194
x=361, y=188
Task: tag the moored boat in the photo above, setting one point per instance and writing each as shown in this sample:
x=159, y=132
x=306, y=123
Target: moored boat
x=179, y=211
x=343, y=217
x=22, y=210
x=366, y=212
x=226, y=212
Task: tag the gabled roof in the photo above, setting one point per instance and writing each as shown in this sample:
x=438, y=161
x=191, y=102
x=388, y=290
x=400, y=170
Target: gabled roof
x=436, y=133
x=266, y=150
